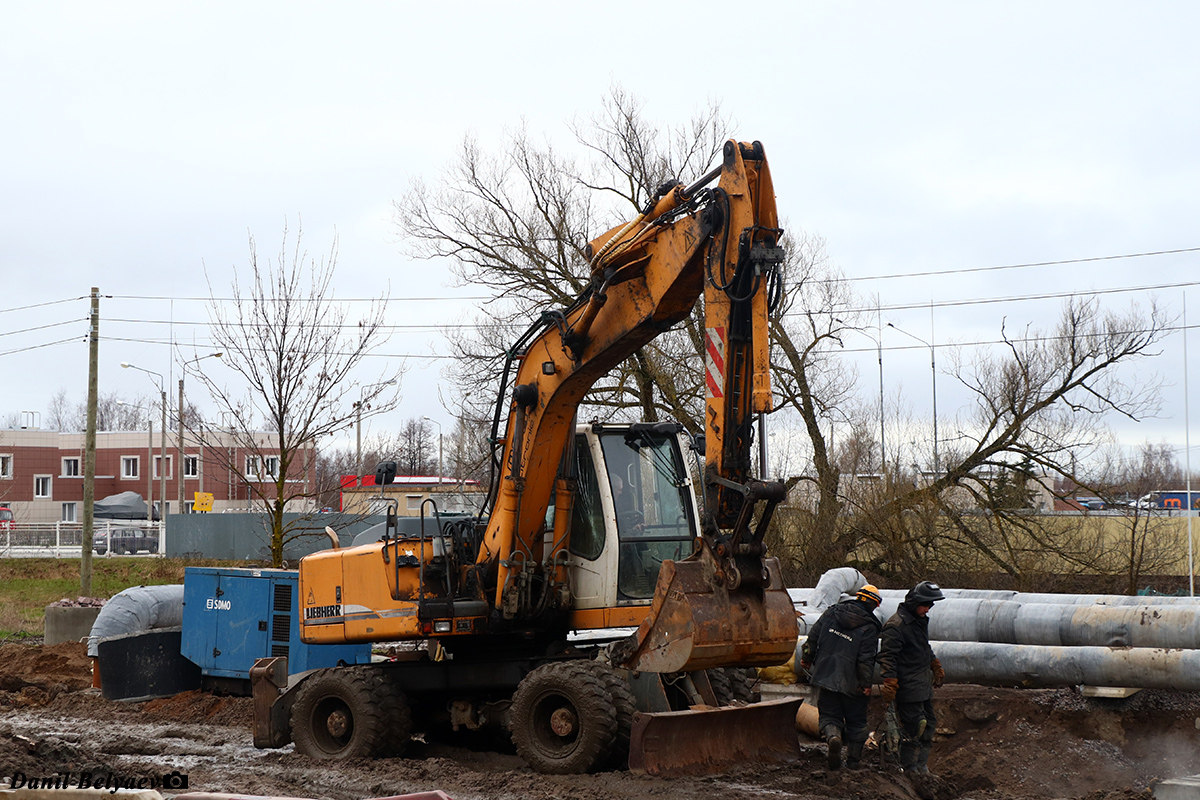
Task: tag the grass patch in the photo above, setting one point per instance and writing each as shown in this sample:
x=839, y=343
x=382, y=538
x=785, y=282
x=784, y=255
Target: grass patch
x=28, y=585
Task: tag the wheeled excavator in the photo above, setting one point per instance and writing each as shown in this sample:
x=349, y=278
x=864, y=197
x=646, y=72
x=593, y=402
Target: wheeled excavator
x=597, y=610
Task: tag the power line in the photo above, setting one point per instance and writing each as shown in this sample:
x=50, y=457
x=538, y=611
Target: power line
x=433, y=328
x=39, y=346
x=43, y=327
x=42, y=305
x=334, y=300
x=971, y=270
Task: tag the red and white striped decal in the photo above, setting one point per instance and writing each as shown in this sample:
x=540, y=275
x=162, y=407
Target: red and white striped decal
x=714, y=361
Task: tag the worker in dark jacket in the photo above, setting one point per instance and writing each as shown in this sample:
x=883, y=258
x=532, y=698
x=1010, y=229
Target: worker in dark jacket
x=840, y=655
x=910, y=673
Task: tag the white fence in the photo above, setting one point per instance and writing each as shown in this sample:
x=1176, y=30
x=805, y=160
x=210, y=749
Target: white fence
x=64, y=539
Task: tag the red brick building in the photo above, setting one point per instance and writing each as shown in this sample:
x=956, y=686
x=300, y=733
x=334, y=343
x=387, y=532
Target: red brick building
x=41, y=472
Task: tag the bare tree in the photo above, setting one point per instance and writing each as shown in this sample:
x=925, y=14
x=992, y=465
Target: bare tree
x=516, y=223
x=1040, y=408
x=1146, y=542
x=296, y=349
x=113, y=413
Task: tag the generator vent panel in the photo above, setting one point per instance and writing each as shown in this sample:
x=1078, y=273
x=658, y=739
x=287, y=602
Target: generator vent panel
x=283, y=597
x=281, y=628
x=279, y=650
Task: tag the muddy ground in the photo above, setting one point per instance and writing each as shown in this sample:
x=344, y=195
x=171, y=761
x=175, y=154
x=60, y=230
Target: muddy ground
x=992, y=743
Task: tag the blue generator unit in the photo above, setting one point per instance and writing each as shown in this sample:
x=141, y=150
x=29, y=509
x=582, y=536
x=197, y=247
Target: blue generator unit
x=233, y=616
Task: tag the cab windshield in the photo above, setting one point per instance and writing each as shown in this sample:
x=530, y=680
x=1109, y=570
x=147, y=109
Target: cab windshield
x=651, y=498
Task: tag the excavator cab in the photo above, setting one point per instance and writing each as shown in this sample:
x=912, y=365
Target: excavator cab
x=634, y=509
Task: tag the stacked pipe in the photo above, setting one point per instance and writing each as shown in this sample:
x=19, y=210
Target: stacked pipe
x=1045, y=640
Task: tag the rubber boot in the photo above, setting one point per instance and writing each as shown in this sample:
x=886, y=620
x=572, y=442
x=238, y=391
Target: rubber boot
x=833, y=739
x=835, y=751
x=854, y=755
x=908, y=756
x=922, y=765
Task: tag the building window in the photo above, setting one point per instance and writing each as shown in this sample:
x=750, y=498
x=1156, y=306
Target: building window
x=189, y=506
x=251, y=466
x=129, y=466
x=68, y=512
x=41, y=486
x=414, y=502
x=6, y=466
x=70, y=468
x=191, y=466
x=272, y=463
x=158, y=466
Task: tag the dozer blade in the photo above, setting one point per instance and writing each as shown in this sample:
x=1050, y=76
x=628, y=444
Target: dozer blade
x=708, y=740
x=695, y=623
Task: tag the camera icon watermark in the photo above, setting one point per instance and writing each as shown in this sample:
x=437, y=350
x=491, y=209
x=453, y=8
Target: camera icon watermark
x=174, y=780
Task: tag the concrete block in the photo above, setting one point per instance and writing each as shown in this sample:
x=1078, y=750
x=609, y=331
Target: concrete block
x=1118, y=692
x=1178, y=789
x=69, y=623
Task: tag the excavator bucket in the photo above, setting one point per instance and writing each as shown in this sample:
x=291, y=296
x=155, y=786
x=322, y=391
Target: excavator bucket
x=707, y=740
x=696, y=623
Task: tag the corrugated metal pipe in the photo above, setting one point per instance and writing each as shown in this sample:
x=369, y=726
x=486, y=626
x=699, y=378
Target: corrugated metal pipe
x=1049, y=597
x=1061, y=625
x=1045, y=667
x=140, y=608
x=1040, y=639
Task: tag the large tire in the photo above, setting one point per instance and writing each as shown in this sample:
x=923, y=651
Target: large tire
x=391, y=699
x=346, y=712
x=742, y=682
x=623, y=705
x=562, y=719
x=719, y=680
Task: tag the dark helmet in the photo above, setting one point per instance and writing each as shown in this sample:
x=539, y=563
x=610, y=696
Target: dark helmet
x=925, y=593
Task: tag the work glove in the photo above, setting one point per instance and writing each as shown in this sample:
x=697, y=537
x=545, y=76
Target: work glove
x=890, y=687
x=939, y=674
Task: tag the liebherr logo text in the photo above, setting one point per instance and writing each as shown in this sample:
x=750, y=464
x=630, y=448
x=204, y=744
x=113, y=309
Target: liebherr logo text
x=323, y=612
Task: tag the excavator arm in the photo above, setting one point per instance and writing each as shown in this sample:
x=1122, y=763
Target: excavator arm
x=725, y=604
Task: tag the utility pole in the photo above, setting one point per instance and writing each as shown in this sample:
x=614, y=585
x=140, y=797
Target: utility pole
x=89, y=447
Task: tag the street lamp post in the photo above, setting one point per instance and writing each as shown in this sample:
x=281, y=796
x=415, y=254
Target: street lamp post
x=162, y=441
x=933, y=371
x=879, y=354
x=358, y=426
x=182, y=375
x=435, y=422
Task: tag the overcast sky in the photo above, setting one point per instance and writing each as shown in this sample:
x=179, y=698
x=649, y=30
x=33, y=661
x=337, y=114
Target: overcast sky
x=142, y=142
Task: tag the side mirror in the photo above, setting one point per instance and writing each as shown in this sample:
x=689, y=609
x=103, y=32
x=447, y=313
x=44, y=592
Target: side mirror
x=385, y=473
x=698, y=444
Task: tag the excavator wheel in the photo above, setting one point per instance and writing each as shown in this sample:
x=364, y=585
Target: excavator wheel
x=624, y=705
x=719, y=679
x=347, y=712
x=562, y=719
x=741, y=684
x=398, y=731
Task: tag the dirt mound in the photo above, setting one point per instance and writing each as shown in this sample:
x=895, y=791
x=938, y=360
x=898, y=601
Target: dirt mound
x=991, y=744
x=24, y=666
x=197, y=706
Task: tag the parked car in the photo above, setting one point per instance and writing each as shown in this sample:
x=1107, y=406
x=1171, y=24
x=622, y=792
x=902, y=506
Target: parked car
x=6, y=519
x=126, y=540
